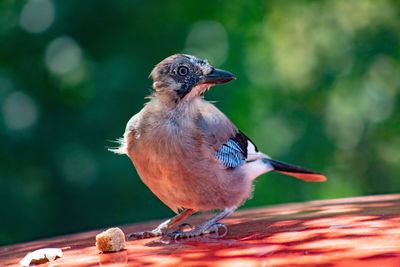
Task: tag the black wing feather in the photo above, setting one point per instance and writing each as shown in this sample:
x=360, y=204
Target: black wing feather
x=234, y=152
x=242, y=141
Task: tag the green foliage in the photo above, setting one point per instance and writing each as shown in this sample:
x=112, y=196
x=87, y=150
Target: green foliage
x=318, y=86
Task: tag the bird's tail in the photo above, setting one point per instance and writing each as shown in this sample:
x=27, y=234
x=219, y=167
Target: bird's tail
x=295, y=171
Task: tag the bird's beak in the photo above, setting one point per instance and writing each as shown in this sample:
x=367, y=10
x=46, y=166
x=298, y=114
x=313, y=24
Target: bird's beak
x=217, y=76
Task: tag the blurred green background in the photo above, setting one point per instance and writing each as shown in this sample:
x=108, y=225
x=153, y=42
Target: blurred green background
x=318, y=86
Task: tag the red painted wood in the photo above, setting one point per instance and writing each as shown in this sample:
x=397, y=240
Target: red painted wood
x=363, y=231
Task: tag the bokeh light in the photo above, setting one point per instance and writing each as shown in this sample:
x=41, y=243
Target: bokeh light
x=19, y=111
x=37, y=16
x=63, y=55
x=208, y=40
x=78, y=165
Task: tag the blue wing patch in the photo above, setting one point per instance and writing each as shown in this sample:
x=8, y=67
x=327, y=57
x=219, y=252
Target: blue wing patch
x=231, y=154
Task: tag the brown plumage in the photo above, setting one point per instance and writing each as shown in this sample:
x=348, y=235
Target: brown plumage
x=188, y=152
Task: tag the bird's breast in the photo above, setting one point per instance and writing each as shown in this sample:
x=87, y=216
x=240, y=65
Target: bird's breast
x=175, y=157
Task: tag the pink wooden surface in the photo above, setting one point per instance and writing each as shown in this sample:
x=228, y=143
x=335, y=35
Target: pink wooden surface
x=362, y=231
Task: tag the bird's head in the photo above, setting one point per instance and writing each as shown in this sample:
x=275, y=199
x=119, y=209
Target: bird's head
x=182, y=77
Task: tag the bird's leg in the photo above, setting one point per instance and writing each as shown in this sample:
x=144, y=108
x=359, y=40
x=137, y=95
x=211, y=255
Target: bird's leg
x=163, y=227
x=207, y=227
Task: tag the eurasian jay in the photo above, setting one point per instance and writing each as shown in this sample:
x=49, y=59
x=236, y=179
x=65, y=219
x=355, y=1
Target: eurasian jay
x=190, y=155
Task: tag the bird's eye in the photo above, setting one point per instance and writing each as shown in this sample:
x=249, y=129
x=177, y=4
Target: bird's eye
x=183, y=70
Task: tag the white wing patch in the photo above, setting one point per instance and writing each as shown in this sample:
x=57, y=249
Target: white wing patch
x=252, y=154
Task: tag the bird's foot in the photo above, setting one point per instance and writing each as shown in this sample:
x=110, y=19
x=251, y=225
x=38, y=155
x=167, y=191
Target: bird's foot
x=220, y=229
x=146, y=234
x=182, y=226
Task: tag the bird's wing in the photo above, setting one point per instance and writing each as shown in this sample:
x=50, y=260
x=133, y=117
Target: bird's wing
x=240, y=149
x=236, y=150
x=231, y=146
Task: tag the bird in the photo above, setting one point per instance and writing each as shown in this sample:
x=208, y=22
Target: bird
x=189, y=154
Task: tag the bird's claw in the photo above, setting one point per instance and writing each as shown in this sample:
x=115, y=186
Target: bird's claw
x=215, y=228
x=143, y=235
x=181, y=235
x=182, y=226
